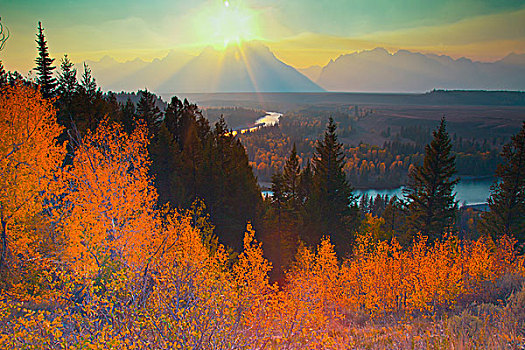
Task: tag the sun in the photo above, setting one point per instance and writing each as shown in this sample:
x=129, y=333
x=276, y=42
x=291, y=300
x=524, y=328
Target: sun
x=227, y=22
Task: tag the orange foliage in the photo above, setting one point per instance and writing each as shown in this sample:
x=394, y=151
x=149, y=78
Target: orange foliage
x=382, y=278
x=136, y=276
x=29, y=160
x=110, y=200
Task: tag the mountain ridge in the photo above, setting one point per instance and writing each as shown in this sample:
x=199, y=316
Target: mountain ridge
x=248, y=67
x=378, y=70
x=253, y=67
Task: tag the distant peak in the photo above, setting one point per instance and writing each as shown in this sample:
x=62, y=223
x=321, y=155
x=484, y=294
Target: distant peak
x=380, y=50
x=107, y=59
x=514, y=58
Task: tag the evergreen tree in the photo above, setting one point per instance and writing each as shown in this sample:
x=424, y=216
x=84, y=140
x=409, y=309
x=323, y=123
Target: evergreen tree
x=166, y=168
x=431, y=203
x=127, y=112
x=173, y=118
x=44, y=66
x=305, y=183
x=190, y=161
x=88, y=82
x=3, y=76
x=15, y=78
x=507, y=198
x=148, y=111
x=283, y=221
x=332, y=202
x=291, y=175
x=279, y=194
x=67, y=81
x=89, y=105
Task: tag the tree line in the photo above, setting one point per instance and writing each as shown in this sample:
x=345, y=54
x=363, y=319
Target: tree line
x=366, y=165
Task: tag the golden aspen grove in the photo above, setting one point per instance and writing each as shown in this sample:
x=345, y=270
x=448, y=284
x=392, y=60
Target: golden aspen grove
x=91, y=261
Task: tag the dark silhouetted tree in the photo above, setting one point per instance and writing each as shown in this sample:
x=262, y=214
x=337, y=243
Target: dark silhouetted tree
x=507, y=198
x=88, y=82
x=67, y=82
x=192, y=161
x=291, y=175
x=305, y=183
x=127, y=111
x=44, y=66
x=332, y=204
x=148, y=111
x=431, y=204
x=3, y=76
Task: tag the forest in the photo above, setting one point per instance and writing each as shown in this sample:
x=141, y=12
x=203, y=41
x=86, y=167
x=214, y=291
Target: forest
x=128, y=223
x=366, y=165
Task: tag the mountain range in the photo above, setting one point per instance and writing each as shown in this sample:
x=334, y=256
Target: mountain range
x=252, y=67
x=249, y=67
x=404, y=71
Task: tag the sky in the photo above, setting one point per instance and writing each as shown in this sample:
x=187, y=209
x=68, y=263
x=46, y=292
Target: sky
x=302, y=33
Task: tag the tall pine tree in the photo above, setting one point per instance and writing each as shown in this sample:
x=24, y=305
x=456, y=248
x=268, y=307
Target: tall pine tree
x=148, y=111
x=332, y=203
x=507, y=198
x=67, y=81
x=88, y=83
x=291, y=175
x=127, y=116
x=283, y=219
x=44, y=66
x=431, y=203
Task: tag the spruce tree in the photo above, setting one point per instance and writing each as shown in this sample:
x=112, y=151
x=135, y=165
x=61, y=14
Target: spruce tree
x=431, y=203
x=88, y=83
x=3, y=76
x=173, y=118
x=278, y=195
x=148, y=111
x=15, y=78
x=507, y=198
x=331, y=205
x=67, y=81
x=44, y=66
x=291, y=174
x=127, y=114
x=282, y=222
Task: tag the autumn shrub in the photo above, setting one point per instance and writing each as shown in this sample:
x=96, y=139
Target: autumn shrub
x=99, y=265
x=382, y=278
x=30, y=160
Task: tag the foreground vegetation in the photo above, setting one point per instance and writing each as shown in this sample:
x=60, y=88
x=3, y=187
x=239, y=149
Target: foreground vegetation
x=97, y=250
x=90, y=260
